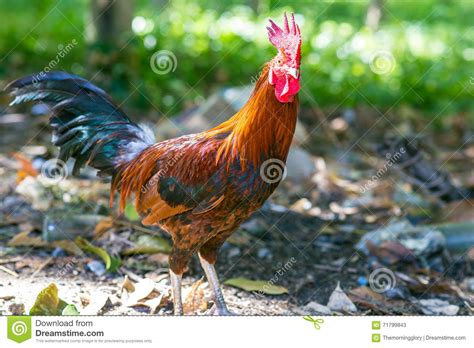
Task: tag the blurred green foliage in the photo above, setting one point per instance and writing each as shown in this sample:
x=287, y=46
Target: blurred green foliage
x=219, y=43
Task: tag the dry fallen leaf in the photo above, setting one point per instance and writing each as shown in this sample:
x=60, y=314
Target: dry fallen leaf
x=153, y=303
x=470, y=254
x=25, y=169
x=97, y=302
x=7, y=297
x=364, y=297
x=338, y=301
x=458, y=211
x=144, y=293
x=143, y=289
x=127, y=285
x=194, y=300
x=31, y=262
x=160, y=258
x=103, y=226
x=24, y=239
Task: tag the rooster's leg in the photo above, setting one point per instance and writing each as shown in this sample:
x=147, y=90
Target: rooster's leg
x=176, y=290
x=211, y=275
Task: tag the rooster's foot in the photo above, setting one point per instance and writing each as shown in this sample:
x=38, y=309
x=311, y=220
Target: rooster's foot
x=220, y=311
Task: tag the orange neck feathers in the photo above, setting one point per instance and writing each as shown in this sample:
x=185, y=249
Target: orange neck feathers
x=262, y=129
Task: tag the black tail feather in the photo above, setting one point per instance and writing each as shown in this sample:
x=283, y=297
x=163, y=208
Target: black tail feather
x=88, y=125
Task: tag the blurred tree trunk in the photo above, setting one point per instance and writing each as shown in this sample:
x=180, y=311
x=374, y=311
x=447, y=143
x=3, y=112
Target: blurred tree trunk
x=253, y=4
x=109, y=35
x=110, y=22
x=259, y=6
x=374, y=14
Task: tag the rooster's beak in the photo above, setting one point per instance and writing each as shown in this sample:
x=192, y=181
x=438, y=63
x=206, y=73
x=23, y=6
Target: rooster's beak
x=294, y=73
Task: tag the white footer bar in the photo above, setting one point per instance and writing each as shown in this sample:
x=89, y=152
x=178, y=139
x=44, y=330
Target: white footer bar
x=148, y=331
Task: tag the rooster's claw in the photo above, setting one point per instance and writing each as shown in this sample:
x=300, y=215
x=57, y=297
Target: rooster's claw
x=220, y=311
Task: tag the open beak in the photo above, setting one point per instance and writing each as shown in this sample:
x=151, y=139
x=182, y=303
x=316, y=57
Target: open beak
x=294, y=73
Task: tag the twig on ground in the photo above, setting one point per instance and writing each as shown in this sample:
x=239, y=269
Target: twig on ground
x=12, y=260
x=43, y=265
x=9, y=271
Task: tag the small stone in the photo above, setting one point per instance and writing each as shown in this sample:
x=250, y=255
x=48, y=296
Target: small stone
x=58, y=252
x=470, y=284
x=300, y=165
x=254, y=226
x=301, y=205
x=17, y=308
x=438, y=307
x=233, y=252
x=96, y=267
x=314, y=308
x=264, y=253
x=277, y=208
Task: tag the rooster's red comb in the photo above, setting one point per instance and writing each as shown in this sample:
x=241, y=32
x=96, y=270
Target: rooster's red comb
x=286, y=39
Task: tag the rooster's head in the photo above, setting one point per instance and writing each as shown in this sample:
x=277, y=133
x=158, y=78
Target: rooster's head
x=284, y=71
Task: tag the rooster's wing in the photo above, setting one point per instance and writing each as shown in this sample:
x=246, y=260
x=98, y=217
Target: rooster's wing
x=184, y=177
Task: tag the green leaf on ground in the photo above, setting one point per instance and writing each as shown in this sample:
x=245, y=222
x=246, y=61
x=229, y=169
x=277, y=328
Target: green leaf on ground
x=111, y=263
x=70, y=309
x=147, y=244
x=48, y=302
x=262, y=286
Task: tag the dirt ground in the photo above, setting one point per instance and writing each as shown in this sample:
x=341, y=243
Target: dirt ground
x=304, y=240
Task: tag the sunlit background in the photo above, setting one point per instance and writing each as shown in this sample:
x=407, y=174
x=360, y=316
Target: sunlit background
x=413, y=55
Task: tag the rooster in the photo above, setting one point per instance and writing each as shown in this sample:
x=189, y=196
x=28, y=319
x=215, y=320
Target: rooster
x=197, y=187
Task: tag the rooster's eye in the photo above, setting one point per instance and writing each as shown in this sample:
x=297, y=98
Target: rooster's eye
x=279, y=61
